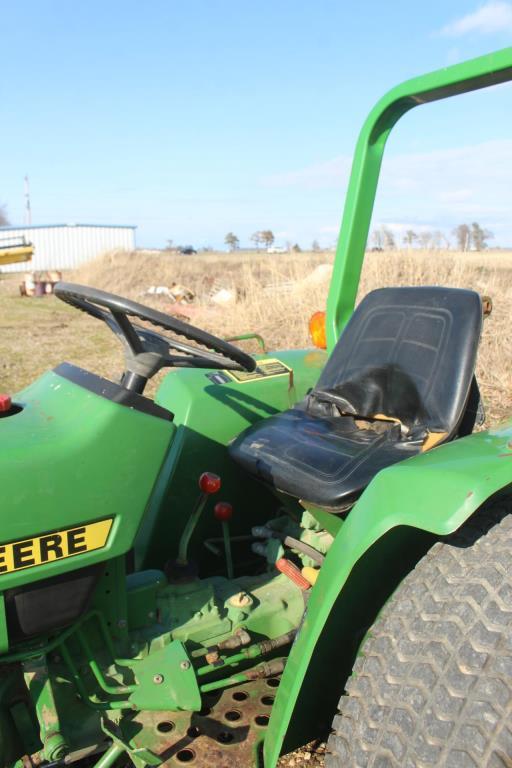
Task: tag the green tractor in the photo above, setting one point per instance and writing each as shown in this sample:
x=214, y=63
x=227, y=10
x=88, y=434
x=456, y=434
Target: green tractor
x=272, y=547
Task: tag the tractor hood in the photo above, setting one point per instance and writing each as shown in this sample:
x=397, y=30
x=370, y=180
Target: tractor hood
x=79, y=457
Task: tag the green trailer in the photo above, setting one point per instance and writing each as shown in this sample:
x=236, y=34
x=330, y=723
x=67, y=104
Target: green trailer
x=273, y=548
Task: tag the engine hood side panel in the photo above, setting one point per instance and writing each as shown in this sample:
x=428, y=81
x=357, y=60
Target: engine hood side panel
x=72, y=457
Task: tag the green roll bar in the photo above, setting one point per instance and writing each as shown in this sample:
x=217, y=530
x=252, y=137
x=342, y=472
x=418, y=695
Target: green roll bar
x=468, y=76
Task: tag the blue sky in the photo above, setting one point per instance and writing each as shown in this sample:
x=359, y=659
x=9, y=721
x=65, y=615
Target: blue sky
x=194, y=118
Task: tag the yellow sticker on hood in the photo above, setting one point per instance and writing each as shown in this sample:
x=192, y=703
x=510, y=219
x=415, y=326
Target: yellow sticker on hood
x=266, y=369
x=57, y=545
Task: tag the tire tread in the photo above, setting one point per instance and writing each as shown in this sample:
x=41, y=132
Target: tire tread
x=432, y=685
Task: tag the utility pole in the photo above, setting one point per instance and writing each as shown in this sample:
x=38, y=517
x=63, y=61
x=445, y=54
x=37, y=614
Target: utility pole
x=28, y=211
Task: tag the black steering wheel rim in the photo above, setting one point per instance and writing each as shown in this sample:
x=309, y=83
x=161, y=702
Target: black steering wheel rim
x=115, y=310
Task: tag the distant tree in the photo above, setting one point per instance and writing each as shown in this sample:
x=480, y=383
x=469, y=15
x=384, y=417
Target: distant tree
x=425, y=239
x=267, y=237
x=479, y=236
x=4, y=221
x=377, y=238
x=232, y=241
x=315, y=246
x=256, y=239
x=389, y=239
x=296, y=248
x=409, y=237
x=462, y=237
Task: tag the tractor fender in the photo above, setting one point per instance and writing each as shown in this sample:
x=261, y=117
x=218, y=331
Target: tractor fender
x=399, y=515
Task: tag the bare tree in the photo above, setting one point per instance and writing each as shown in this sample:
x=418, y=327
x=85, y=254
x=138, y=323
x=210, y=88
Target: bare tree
x=409, y=237
x=232, y=241
x=267, y=237
x=4, y=221
x=389, y=239
x=378, y=239
x=256, y=239
x=479, y=236
x=462, y=237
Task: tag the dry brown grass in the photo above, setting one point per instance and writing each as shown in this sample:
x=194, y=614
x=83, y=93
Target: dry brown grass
x=39, y=333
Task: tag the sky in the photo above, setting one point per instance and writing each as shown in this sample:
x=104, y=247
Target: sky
x=190, y=119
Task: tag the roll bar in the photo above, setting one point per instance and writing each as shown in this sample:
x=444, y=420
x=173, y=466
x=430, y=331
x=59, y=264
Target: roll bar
x=468, y=76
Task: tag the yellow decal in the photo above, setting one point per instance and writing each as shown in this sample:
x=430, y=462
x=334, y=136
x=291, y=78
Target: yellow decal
x=266, y=369
x=53, y=546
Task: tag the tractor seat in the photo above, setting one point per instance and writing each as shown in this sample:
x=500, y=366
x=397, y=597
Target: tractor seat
x=397, y=383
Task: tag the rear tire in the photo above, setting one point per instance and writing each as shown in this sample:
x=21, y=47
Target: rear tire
x=433, y=683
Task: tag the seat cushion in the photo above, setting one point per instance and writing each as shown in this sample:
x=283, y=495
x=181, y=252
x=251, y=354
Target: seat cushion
x=326, y=461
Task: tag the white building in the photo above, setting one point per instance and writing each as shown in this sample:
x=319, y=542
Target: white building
x=65, y=246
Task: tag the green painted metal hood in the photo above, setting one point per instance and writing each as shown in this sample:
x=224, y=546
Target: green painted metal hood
x=70, y=457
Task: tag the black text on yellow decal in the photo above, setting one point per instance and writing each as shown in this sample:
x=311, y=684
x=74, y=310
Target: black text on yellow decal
x=53, y=546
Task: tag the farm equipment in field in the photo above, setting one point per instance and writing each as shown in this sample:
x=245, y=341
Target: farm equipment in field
x=15, y=250
x=272, y=546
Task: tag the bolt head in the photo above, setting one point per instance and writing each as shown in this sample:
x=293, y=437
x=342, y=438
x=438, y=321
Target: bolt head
x=185, y=665
x=158, y=679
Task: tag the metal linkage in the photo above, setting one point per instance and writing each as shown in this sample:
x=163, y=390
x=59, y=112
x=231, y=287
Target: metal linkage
x=267, y=669
x=252, y=652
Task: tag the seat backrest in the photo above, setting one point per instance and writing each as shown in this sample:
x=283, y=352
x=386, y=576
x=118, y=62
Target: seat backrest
x=408, y=353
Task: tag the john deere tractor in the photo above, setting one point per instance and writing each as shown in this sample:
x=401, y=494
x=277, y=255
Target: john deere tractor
x=273, y=547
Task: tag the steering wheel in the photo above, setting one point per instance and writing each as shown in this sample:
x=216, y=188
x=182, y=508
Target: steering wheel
x=147, y=351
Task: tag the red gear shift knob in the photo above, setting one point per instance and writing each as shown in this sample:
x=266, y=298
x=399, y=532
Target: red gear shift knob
x=209, y=483
x=223, y=511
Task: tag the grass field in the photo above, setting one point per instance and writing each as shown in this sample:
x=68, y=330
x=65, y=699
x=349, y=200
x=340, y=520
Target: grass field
x=276, y=294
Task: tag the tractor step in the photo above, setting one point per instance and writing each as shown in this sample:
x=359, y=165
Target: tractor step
x=227, y=732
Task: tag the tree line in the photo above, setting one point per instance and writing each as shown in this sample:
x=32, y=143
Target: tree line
x=467, y=237
x=266, y=238
x=261, y=237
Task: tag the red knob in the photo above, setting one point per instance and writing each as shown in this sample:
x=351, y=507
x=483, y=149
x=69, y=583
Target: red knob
x=5, y=403
x=209, y=483
x=223, y=511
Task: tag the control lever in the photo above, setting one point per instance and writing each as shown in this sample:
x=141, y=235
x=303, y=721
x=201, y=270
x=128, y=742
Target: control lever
x=223, y=512
x=209, y=483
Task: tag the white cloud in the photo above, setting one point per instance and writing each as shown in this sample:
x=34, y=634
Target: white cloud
x=493, y=16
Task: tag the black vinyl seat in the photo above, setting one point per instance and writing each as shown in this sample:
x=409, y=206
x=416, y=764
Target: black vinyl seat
x=397, y=383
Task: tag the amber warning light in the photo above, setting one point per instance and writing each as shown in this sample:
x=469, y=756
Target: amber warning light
x=317, y=330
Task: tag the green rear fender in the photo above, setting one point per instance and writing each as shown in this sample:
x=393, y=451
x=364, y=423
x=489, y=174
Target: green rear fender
x=398, y=516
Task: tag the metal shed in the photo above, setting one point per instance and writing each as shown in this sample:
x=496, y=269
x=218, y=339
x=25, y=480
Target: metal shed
x=65, y=246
